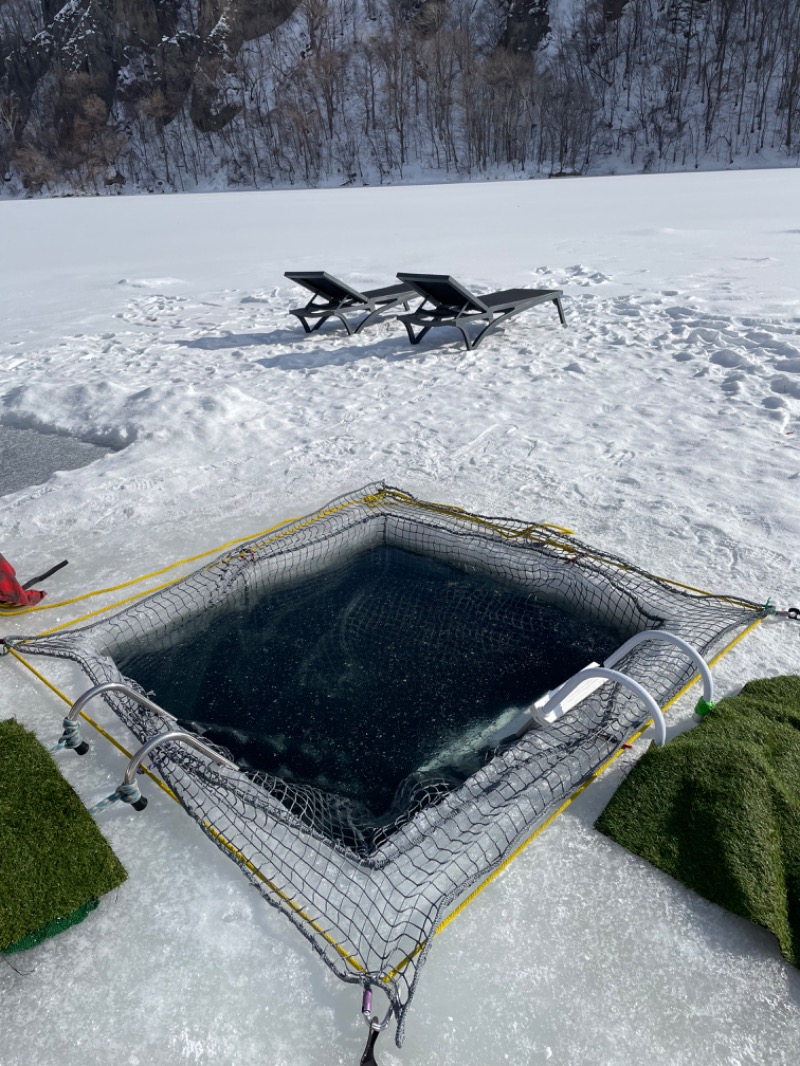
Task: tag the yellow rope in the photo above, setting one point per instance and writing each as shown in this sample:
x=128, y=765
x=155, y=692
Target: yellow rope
x=301, y=524
x=91, y=721
x=298, y=910
x=290, y=522
x=509, y=534
x=13, y=612
x=349, y=958
x=207, y=825
x=458, y=512
x=540, y=829
x=103, y=610
x=711, y=662
x=370, y=500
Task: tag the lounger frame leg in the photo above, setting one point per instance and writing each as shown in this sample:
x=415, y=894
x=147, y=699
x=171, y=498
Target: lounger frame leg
x=470, y=344
x=415, y=338
x=322, y=318
x=376, y=313
x=490, y=325
x=345, y=323
x=304, y=320
x=558, y=304
x=365, y=321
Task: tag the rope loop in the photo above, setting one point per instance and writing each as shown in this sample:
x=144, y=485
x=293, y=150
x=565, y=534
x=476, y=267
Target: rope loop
x=128, y=793
x=123, y=794
x=71, y=738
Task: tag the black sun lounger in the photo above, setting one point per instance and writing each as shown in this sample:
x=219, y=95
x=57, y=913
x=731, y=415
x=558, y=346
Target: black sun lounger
x=451, y=304
x=339, y=299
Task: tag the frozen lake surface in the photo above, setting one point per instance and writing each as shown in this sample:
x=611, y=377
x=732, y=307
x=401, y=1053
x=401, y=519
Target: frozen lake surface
x=663, y=425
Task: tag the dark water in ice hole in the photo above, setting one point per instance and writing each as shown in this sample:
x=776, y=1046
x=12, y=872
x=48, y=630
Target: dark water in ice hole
x=357, y=678
x=28, y=457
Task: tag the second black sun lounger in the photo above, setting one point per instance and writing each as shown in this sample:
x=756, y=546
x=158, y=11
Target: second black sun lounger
x=338, y=299
x=448, y=303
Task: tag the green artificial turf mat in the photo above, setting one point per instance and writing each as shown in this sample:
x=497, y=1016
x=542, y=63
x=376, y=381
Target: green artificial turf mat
x=718, y=808
x=58, y=925
x=54, y=862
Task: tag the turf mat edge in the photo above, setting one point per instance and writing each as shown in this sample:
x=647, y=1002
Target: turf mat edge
x=718, y=808
x=54, y=861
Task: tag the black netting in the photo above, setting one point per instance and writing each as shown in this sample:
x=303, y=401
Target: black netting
x=359, y=665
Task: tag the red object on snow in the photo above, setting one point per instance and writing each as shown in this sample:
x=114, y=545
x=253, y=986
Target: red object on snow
x=12, y=594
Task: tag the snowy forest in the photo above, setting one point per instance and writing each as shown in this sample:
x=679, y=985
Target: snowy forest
x=104, y=96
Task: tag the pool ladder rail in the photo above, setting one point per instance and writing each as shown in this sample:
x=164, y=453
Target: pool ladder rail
x=128, y=791
x=554, y=705
x=544, y=712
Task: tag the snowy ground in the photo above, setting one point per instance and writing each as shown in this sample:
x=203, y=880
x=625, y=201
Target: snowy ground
x=664, y=424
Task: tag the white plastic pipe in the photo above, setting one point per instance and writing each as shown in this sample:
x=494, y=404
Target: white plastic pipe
x=669, y=638
x=621, y=679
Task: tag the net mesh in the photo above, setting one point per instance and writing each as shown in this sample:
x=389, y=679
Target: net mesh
x=368, y=889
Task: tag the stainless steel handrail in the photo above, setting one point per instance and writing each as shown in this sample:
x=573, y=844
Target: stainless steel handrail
x=72, y=739
x=114, y=686
x=129, y=792
x=177, y=736
x=537, y=715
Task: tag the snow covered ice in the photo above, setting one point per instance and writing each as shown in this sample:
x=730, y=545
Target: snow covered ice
x=662, y=425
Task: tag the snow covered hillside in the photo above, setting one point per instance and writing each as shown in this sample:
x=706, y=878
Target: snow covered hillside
x=663, y=424
x=161, y=95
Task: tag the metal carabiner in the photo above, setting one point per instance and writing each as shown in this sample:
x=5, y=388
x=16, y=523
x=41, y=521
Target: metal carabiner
x=376, y=1027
